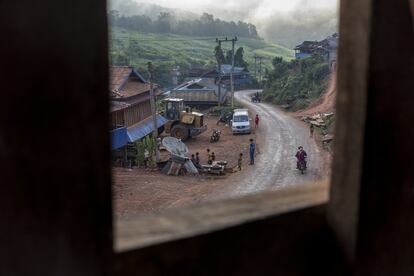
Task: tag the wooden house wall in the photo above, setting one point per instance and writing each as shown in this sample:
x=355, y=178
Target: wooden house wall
x=136, y=113
x=117, y=118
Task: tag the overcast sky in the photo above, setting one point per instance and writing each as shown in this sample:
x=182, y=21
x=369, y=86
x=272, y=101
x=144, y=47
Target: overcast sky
x=253, y=10
x=287, y=22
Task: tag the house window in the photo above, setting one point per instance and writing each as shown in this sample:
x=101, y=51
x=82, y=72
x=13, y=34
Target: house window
x=269, y=168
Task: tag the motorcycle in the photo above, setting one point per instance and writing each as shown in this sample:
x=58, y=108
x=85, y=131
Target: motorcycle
x=256, y=99
x=225, y=118
x=301, y=166
x=215, y=136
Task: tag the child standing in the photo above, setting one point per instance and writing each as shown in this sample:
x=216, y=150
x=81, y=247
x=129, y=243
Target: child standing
x=209, y=157
x=240, y=161
x=256, y=121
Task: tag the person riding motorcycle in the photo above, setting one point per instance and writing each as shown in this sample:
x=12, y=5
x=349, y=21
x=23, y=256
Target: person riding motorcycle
x=301, y=157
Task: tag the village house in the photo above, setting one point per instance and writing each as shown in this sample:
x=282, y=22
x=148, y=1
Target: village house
x=241, y=76
x=200, y=87
x=199, y=91
x=326, y=48
x=130, y=107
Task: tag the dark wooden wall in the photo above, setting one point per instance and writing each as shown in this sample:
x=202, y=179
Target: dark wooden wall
x=137, y=112
x=54, y=142
x=56, y=200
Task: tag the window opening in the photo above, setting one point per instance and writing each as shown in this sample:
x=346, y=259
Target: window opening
x=191, y=74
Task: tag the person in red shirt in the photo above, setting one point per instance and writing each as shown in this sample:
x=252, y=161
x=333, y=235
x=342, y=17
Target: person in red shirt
x=256, y=121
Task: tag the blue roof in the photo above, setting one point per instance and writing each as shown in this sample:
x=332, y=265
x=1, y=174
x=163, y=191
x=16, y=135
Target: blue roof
x=142, y=129
x=118, y=137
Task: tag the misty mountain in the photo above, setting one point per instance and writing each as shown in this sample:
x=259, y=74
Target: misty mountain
x=296, y=27
x=285, y=28
x=130, y=7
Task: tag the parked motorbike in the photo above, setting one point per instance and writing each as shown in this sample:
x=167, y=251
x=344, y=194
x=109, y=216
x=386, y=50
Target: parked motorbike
x=215, y=136
x=225, y=118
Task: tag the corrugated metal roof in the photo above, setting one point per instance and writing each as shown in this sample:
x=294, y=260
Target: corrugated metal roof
x=195, y=96
x=143, y=128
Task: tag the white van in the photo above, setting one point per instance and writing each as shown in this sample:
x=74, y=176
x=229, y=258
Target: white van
x=241, y=121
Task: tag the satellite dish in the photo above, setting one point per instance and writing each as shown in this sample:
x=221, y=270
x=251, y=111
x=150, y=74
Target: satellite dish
x=175, y=146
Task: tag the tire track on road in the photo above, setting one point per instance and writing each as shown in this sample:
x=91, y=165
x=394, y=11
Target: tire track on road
x=281, y=135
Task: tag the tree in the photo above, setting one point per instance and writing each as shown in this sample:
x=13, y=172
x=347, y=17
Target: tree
x=218, y=53
x=252, y=30
x=113, y=16
x=207, y=22
x=164, y=22
x=239, y=58
x=228, y=59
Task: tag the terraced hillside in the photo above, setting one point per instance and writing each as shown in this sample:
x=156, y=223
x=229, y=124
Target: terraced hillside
x=168, y=50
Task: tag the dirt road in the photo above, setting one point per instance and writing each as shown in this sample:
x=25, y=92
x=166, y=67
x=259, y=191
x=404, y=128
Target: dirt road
x=280, y=136
x=140, y=191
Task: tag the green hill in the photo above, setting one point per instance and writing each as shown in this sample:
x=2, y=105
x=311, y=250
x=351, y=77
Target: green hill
x=168, y=50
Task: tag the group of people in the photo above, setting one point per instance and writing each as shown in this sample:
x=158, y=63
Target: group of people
x=301, y=154
x=211, y=157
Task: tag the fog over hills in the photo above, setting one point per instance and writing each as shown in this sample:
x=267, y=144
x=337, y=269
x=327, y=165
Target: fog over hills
x=287, y=22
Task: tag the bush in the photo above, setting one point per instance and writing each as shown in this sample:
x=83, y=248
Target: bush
x=296, y=83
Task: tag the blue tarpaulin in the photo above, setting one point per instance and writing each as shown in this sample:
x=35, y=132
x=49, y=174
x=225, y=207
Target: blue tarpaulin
x=144, y=128
x=118, y=137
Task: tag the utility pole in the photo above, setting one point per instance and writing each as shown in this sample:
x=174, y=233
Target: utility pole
x=255, y=66
x=260, y=68
x=233, y=41
x=219, y=76
x=260, y=71
x=154, y=112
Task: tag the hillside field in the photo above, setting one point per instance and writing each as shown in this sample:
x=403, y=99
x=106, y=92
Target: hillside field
x=168, y=50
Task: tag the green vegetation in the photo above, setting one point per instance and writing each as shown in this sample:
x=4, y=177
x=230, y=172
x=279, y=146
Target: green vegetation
x=167, y=22
x=169, y=50
x=227, y=59
x=297, y=83
x=146, y=144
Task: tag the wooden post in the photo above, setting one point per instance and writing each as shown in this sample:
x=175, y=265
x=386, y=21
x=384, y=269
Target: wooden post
x=154, y=112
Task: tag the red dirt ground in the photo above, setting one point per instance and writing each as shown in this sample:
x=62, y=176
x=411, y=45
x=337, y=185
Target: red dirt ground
x=140, y=191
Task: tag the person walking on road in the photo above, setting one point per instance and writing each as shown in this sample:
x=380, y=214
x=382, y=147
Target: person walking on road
x=256, y=121
x=311, y=130
x=252, y=148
